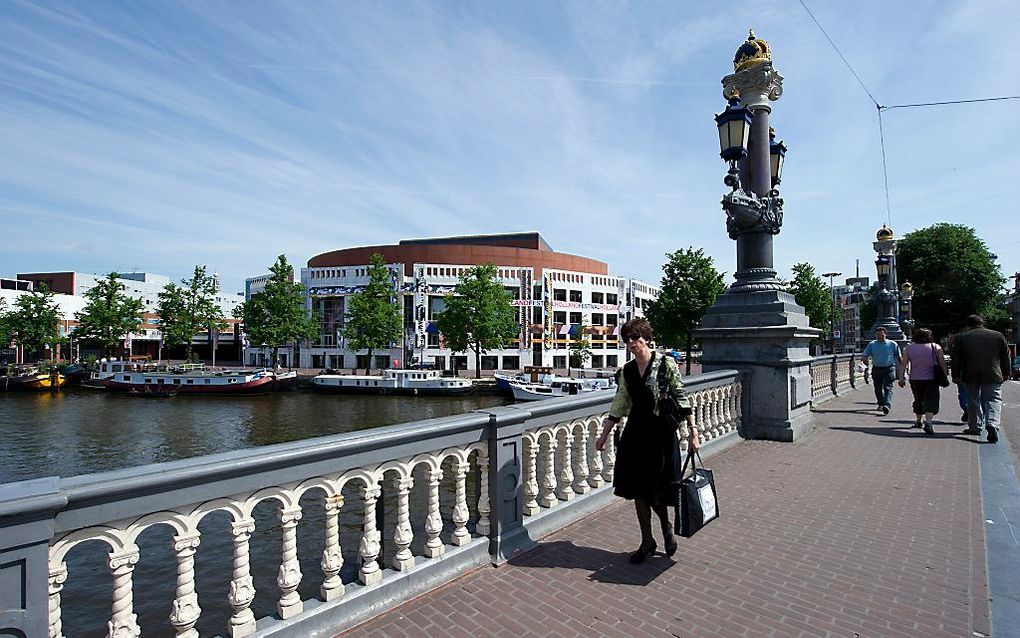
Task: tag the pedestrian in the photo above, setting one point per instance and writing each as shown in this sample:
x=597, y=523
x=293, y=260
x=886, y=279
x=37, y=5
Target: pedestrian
x=921, y=358
x=981, y=364
x=884, y=355
x=961, y=392
x=648, y=454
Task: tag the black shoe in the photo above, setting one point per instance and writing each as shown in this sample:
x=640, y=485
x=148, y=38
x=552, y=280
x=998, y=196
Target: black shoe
x=929, y=430
x=642, y=553
x=971, y=431
x=671, y=547
x=885, y=410
x=917, y=423
x=964, y=418
x=993, y=436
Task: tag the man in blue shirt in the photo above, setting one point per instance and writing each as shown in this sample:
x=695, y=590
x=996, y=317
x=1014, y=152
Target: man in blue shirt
x=884, y=356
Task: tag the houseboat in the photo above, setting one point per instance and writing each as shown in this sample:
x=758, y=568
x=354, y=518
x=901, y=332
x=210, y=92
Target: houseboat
x=424, y=382
x=193, y=381
x=557, y=387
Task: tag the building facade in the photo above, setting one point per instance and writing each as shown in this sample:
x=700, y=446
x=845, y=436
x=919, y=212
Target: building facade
x=556, y=296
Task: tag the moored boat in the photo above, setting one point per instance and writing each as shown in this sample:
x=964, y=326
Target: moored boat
x=194, y=381
x=557, y=387
x=32, y=380
x=285, y=381
x=423, y=382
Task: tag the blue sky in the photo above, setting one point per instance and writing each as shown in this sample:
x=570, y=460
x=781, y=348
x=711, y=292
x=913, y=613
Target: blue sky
x=159, y=135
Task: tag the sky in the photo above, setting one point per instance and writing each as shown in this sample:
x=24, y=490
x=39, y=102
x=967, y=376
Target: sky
x=155, y=136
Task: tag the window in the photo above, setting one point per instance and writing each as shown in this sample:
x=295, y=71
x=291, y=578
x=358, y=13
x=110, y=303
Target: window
x=208, y=381
x=597, y=319
x=560, y=362
x=459, y=363
x=560, y=316
x=575, y=295
x=159, y=381
x=489, y=362
x=433, y=340
x=149, y=380
x=178, y=381
x=317, y=360
x=127, y=378
x=612, y=361
x=597, y=297
x=596, y=361
x=512, y=363
x=612, y=298
x=231, y=380
x=559, y=294
x=575, y=317
x=191, y=381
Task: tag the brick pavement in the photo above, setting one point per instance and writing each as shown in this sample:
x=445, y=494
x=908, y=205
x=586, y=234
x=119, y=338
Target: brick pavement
x=863, y=528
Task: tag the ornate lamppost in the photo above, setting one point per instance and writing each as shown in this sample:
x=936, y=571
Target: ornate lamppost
x=756, y=326
x=907, y=309
x=887, y=297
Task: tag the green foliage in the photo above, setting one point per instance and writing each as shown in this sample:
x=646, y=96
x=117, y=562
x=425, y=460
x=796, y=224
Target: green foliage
x=478, y=317
x=953, y=273
x=187, y=309
x=33, y=323
x=276, y=316
x=812, y=292
x=690, y=284
x=580, y=347
x=374, y=317
x=108, y=316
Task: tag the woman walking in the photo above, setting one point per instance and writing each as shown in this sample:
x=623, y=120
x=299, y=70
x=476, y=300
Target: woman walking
x=922, y=357
x=648, y=455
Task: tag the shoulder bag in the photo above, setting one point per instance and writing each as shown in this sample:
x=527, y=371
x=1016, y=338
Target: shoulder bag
x=940, y=372
x=669, y=409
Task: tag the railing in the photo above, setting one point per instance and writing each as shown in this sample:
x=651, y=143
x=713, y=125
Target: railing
x=530, y=469
x=832, y=375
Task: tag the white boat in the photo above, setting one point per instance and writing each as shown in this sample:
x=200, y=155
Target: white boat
x=193, y=379
x=393, y=382
x=557, y=387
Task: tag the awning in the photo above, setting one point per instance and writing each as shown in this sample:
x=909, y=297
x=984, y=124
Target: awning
x=432, y=328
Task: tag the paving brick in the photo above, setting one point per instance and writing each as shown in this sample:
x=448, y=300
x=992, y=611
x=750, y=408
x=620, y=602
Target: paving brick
x=864, y=526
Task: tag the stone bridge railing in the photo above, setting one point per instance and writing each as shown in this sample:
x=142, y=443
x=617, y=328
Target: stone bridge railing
x=487, y=484
x=833, y=375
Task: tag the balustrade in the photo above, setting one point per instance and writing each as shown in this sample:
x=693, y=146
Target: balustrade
x=832, y=375
x=558, y=465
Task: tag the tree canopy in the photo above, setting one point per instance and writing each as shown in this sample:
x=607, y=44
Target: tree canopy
x=109, y=315
x=954, y=275
x=690, y=284
x=374, y=318
x=187, y=309
x=812, y=292
x=33, y=322
x=276, y=316
x=580, y=347
x=478, y=317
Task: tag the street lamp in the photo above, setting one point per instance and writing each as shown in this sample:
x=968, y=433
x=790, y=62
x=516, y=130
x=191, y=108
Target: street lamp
x=832, y=310
x=777, y=155
x=734, y=132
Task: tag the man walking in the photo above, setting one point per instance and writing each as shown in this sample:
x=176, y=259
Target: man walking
x=981, y=364
x=883, y=354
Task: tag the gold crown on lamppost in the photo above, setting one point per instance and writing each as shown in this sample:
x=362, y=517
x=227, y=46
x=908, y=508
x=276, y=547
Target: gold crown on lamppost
x=906, y=286
x=884, y=233
x=751, y=53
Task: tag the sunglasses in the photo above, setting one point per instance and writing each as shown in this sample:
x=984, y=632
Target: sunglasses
x=632, y=338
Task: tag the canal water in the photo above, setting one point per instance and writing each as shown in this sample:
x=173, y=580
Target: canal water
x=81, y=431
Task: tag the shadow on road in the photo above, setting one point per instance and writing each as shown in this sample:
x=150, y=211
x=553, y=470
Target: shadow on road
x=605, y=566
x=907, y=431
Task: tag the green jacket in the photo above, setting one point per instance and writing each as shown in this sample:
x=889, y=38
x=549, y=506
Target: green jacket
x=622, y=401
x=980, y=355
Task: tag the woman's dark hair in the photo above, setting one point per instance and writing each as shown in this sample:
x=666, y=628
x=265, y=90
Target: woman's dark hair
x=922, y=335
x=637, y=328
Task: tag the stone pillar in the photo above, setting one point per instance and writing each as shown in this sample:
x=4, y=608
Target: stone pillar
x=756, y=327
x=507, y=534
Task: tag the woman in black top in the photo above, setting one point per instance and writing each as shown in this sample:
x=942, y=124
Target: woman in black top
x=648, y=455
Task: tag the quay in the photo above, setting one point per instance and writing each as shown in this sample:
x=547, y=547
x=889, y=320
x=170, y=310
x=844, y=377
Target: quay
x=862, y=525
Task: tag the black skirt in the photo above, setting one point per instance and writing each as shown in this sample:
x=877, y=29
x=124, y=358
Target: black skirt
x=648, y=454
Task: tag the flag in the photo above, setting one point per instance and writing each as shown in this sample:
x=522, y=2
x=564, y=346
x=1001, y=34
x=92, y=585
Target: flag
x=565, y=329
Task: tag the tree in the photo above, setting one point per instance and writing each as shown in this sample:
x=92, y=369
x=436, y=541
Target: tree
x=108, y=316
x=690, y=283
x=187, y=309
x=34, y=322
x=953, y=273
x=374, y=318
x=276, y=316
x=811, y=291
x=478, y=317
x=580, y=347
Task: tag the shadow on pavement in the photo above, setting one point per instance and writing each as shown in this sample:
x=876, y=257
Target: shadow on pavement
x=605, y=566
x=870, y=411
x=907, y=431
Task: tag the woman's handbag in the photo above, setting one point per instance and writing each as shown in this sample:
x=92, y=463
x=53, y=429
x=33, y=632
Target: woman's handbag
x=698, y=505
x=669, y=409
x=940, y=372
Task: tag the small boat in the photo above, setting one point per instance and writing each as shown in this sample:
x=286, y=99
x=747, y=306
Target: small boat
x=32, y=380
x=285, y=381
x=423, y=382
x=193, y=379
x=557, y=387
x=153, y=392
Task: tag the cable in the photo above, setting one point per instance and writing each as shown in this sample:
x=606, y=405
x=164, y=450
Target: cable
x=859, y=81
x=885, y=170
x=983, y=99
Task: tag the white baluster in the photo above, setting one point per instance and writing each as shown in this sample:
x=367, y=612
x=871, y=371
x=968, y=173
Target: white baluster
x=460, y=535
x=547, y=486
x=332, y=587
x=594, y=459
x=609, y=455
x=482, y=528
x=580, y=455
x=370, y=573
x=242, y=588
x=530, y=485
x=58, y=576
x=564, y=489
x=738, y=407
x=403, y=535
x=185, y=611
x=717, y=417
x=289, y=576
x=434, y=521
x=123, y=621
